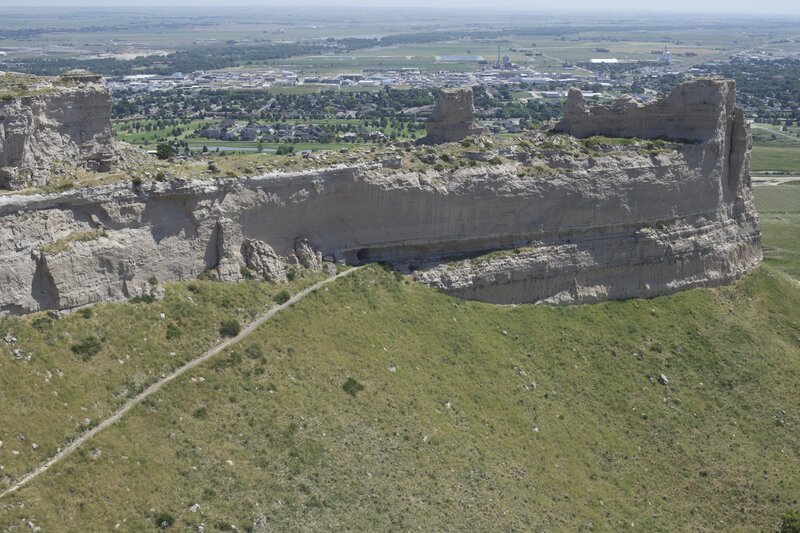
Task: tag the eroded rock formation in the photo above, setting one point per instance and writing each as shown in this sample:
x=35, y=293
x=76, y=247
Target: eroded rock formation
x=592, y=226
x=452, y=118
x=699, y=111
x=66, y=121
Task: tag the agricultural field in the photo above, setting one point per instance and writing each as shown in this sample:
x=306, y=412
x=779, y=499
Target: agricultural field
x=779, y=211
x=775, y=159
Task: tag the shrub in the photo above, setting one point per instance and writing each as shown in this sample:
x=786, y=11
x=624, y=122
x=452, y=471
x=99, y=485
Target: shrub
x=438, y=167
x=164, y=520
x=495, y=161
x=42, y=323
x=790, y=522
x=282, y=297
x=144, y=299
x=245, y=272
x=201, y=413
x=137, y=182
x=207, y=275
x=165, y=151
x=291, y=274
x=88, y=347
x=173, y=331
x=230, y=328
x=254, y=352
x=86, y=312
x=352, y=387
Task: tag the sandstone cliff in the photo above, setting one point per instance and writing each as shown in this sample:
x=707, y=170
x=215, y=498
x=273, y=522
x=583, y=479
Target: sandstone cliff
x=64, y=120
x=452, y=118
x=558, y=225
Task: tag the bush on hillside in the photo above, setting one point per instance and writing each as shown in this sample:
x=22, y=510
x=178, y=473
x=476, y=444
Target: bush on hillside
x=790, y=522
x=88, y=347
x=230, y=328
x=282, y=297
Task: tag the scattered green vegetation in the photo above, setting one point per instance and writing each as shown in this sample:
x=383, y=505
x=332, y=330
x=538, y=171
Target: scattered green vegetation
x=230, y=328
x=550, y=413
x=282, y=297
x=173, y=332
x=47, y=396
x=790, y=522
x=15, y=85
x=63, y=244
x=164, y=521
x=88, y=347
x=352, y=387
x=165, y=151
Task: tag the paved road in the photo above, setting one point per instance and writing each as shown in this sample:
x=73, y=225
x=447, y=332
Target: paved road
x=155, y=387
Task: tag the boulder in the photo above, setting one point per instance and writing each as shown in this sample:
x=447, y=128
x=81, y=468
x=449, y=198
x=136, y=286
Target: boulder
x=307, y=255
x=262, y=259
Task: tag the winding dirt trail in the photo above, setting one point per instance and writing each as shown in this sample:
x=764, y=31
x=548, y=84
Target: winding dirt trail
x=155, y=387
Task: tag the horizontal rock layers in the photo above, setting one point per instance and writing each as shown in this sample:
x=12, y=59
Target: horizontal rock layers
x=602, y=226
x=68, y=122
x=452, y=118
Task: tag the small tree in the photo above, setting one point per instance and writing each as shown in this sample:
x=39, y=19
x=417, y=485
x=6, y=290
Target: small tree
x=165, y=151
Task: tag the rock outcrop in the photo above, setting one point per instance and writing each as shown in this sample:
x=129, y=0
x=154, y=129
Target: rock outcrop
x=569, y=229
x=699, y=111
x=65, y=120
x=452, y=118
x=262, y=259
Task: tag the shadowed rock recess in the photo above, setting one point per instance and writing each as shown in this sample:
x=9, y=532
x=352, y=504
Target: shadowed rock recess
x=635, y=223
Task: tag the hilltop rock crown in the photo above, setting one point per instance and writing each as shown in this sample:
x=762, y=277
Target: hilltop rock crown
x=692, y=111
x=453, y=117
x=62, y=120
x=554, y=219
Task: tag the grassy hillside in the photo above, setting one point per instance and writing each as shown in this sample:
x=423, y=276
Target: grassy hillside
x=68, y=374
x=378, y=404
x=471, y=416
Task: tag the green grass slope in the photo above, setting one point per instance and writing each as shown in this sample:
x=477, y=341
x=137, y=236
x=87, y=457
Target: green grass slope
x=69, y=374
x=471, y=417
x=378, y=404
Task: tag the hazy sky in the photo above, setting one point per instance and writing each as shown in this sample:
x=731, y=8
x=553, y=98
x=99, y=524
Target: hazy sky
x=707, y=6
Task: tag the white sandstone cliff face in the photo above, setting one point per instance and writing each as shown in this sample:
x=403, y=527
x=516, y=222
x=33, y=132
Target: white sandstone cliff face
x=603, y=226
x=69, y=123
x=453, y=117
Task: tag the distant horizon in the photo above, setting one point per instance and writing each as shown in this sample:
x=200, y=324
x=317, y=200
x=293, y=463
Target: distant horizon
x=584, y=7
